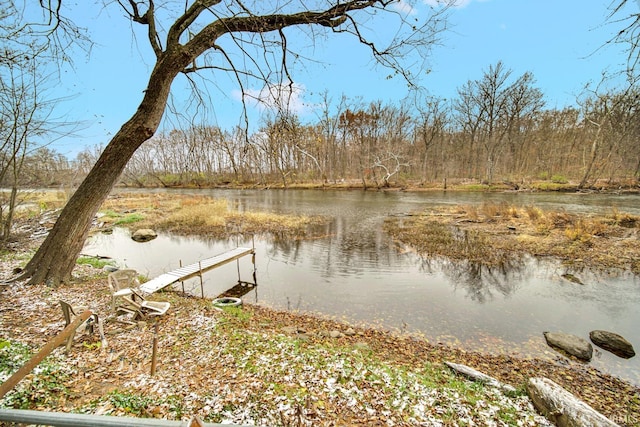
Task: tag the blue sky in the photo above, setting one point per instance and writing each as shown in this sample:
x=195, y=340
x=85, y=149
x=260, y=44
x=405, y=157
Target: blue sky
x=560, y=42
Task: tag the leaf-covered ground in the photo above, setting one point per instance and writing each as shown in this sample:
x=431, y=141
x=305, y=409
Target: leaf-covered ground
x=258, y=366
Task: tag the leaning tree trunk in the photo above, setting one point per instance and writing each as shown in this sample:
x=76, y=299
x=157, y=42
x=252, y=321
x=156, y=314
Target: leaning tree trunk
x=54, y=261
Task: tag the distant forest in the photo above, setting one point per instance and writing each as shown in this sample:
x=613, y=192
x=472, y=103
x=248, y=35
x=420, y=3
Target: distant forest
x=497, y=130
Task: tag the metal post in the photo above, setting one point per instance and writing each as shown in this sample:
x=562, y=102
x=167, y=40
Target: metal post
x=253, y=257
x=182, y=281
x=200, y=274
x=60, y=419
x=154, y=351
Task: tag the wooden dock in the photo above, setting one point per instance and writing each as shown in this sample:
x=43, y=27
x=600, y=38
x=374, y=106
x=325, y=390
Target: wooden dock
x=196, y=269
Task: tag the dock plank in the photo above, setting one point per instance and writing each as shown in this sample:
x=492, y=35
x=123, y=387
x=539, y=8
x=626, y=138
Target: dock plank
x=193, y=270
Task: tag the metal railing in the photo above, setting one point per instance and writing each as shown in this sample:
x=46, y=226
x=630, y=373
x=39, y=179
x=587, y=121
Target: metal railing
x=61, y=419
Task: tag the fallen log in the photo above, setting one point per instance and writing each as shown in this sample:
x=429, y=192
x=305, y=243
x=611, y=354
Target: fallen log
x=478, y=376
x=563, y=408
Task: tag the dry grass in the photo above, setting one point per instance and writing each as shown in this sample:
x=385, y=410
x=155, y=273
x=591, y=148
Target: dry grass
x=198, y=215
x=33, y=203
x=491, y=233
x=438, y=238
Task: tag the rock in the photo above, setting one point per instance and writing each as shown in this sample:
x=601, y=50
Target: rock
x=563, y=408
x=293, y=330
x=571, y=278
x=144, y=235
x=570, y=344
x=613, y=342
x=478, y=376
x=336, y=334
x=350, y=332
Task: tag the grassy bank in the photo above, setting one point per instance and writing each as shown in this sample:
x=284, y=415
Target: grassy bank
x=491, y=234
x=198, y=215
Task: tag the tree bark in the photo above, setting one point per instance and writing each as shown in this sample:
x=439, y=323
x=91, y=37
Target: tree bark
x=592, y=160
x=53, y=262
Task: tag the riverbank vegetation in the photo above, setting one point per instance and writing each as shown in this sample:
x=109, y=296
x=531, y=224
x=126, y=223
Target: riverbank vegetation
x=492, y=234
x=199, y=216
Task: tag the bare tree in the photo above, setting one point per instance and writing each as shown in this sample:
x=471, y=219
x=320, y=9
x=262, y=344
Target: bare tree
x=25, y=112
x=611, y=125
x=430, y=128
x=202, y=36
x=492, y=110
x=628, y=34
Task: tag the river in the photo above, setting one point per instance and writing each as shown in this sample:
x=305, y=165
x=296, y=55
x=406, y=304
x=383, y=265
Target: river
x=356, y=273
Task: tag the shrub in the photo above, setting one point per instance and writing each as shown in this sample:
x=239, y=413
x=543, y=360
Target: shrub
x=559, y=179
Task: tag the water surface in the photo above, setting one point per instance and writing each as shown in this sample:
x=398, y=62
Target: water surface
x=358, y=274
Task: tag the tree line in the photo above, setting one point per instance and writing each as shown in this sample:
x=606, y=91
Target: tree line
x=496, y=130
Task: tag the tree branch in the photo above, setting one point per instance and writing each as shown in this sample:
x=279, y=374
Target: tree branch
x=332, y=17
x=148, y=19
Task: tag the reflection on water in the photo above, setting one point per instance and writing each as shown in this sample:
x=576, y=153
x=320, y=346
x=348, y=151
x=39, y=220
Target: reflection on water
x=482, y=282
x=356, y=272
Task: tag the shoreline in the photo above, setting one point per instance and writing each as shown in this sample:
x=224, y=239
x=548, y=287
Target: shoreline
x=617, y=399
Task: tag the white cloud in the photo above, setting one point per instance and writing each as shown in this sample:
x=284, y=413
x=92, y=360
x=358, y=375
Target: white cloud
x=458, y=4
x=405, y=8
x=278, y=97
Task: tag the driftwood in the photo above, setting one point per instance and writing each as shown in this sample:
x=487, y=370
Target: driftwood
x=478, y=376
x=563, y=408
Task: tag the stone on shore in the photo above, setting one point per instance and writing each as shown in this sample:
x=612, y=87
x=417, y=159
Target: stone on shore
x=144, y=235
x=570, y=344
x=612, y=342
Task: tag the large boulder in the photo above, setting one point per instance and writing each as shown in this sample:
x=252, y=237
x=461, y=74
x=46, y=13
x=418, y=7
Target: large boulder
x=563, y=408
x=613, y=342
x=144, y=235
x=570, y=344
